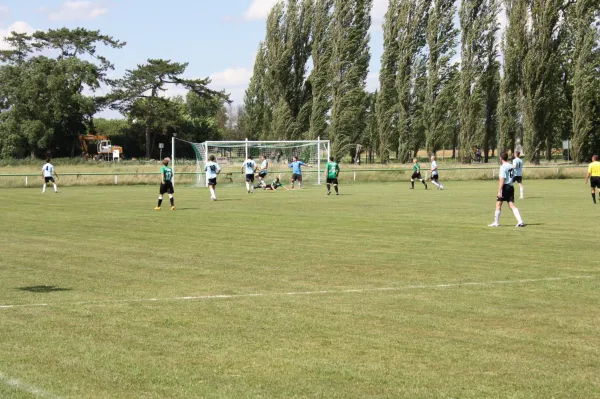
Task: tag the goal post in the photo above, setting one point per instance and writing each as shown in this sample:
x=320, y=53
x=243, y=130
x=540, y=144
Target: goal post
x=231, y=154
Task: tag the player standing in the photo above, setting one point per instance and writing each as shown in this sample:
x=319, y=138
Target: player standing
x=435, y=177
x=212, y=169
x=263, y=171
x=416, y=175
x=48, y=174
x=333, y=171
x=297, y=171
x=249, y=167
x=593, y=175
x=518, y=167
x=506, y=192
x=166, y=184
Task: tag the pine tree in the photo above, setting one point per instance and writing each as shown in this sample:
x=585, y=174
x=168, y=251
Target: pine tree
x=258, y=113
x=387, y=102
x=441, y=41
x=350, y=65
x=320, y=76
x=411, y=74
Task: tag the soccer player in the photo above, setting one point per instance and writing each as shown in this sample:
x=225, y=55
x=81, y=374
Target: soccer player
x=263, y=171
x=212, y=169
x=435, y=177
x=166, y=184
x=518, y=167
x=48, y=174
x=506, y=192
x=593, y=175
x=249, y=167
x=273, y=186
x=416, y=175
x=333, y=171
x=297, y=171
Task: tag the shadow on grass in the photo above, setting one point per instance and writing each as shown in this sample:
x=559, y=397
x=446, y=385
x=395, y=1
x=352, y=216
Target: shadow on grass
x=44, y=288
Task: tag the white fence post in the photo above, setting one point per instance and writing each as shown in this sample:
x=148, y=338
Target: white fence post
x=25, y=181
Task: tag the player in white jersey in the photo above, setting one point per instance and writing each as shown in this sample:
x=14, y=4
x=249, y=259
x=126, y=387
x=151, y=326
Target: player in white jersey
x=212, y=169
x=48, y=174
x=263, y=171
x=518, y=167
x=435, y=176
x=506, y=192
x=249, y=167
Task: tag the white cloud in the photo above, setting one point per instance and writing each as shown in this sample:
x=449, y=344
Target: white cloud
x=259, y=9
x=372, y=81
x=231, y=78
x=378, y=14
x=4, y=11
x=76, y=10
x=19, y=27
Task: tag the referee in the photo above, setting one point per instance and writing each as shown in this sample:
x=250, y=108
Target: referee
x=594, y=176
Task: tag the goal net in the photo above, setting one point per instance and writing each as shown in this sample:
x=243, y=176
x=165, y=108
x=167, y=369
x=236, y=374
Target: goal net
x=231, y=154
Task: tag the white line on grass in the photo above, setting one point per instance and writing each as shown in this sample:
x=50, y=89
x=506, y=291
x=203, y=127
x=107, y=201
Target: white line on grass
x=22, y=386
x=323, y=292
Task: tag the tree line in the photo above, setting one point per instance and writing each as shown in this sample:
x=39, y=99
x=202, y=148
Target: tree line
x=448, y=78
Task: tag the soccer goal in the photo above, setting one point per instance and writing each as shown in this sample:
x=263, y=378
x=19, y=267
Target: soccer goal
x=231, y=154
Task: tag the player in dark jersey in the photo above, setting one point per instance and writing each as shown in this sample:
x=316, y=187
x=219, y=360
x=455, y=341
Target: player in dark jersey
x=166, y=184
x=416, y=175
x=333, y=171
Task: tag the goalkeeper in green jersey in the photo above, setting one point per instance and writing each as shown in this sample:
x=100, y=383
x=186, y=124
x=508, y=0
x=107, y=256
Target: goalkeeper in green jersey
x=333, y=171
x=166, y=184
x=416, y=175
x=274, y=186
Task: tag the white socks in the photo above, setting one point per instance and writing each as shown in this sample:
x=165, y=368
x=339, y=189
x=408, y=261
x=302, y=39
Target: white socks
x=517, y=215
x=497, y=217
x=212, y=193
x=438, y=185
x=247, y=186
x=521, y=192
x=44, y=188
x=55, y=188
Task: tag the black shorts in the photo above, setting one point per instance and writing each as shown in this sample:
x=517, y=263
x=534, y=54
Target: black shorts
x=435, y=177
x=48, y=179
x=508, y=194
x=250, y=178
x=262, y=174
x=518, y=179
x=595, y=181
x=212, y=182
x=167, y=187
x=296, y=177
x=332, y=181
x=416, y=176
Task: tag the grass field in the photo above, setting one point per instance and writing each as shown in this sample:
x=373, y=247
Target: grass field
x=382, y=292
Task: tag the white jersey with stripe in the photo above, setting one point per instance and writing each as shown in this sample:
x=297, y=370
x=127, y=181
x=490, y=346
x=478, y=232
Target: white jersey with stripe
x=211, y=168
x=48, y=170
x=518, y=166
x=507, y=172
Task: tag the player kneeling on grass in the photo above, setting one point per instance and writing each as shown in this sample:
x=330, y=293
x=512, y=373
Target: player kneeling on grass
x=416, y=175
x=249, y=167
x=47, y=174
x=274, y=186
x=166, y=184
x=506, y=192
x=333, y=171
x=212, y=169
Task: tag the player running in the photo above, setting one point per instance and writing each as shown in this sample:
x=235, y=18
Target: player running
x=263, y=171
x=297, y=171
x=518, y=167
x=249, y=167
x=435, y=177
x=48, y=174
x=333, y=171
x=212, y=169
x=593, y=175
x=416, y=175
x=506, y=192
x=166, y=184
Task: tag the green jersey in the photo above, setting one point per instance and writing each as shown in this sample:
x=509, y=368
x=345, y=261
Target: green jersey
x=167, y=173
x=276, y=184
x=417, y=168
x=333, y=169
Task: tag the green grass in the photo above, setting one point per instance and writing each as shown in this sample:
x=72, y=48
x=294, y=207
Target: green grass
x=532, y=331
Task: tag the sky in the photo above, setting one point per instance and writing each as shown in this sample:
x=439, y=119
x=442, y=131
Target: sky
x=218, y=38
